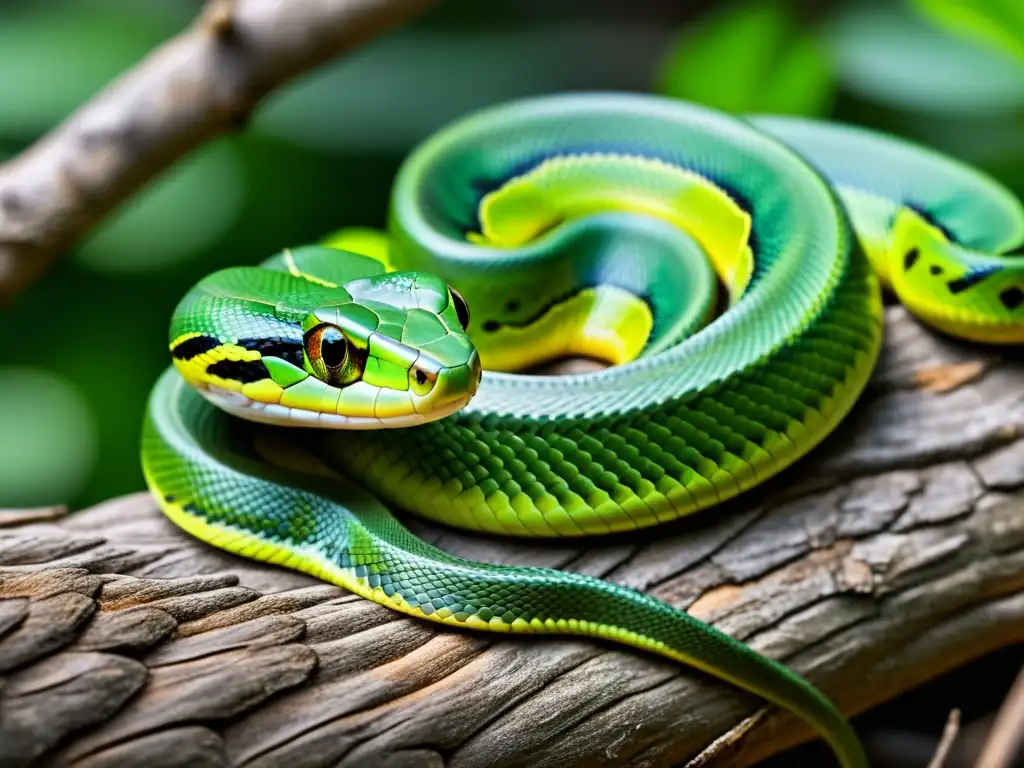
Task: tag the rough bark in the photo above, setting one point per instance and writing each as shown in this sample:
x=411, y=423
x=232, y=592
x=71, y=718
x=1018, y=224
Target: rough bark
x=201, y=84
x=891, y=555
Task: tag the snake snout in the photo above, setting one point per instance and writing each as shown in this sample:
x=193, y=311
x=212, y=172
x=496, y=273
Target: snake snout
x=452, y=388
x=476, y=373
x=460, y=382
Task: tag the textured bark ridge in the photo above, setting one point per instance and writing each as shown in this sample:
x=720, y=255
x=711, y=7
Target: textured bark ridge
x=894, y=553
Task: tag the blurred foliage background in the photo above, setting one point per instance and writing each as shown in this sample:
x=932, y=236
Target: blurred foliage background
x=86, y=343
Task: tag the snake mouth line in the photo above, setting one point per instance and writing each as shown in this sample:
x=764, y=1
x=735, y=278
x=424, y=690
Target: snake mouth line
x=270, y=413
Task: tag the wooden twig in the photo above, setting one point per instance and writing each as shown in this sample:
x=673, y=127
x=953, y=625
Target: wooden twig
x=201, y=84
x=31, y=515
x=892, y=554
x=1007, y=735
x=949, y=733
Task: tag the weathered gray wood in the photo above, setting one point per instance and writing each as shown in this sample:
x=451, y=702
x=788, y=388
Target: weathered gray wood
x=62, y=694
x=894, y=553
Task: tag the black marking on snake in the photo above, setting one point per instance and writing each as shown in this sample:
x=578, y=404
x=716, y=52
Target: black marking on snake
x=935, y=269
x=1012, y=297
x=932, y=218
x=245, y=371
x=190, y=348
x=970, y=280
x=910, y=259
x=289, y=350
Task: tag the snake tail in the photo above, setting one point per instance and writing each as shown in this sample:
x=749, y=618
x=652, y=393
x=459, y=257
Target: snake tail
x=210, y=479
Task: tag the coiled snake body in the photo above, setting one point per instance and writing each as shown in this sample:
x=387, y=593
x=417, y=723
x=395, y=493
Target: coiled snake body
x=705, y=257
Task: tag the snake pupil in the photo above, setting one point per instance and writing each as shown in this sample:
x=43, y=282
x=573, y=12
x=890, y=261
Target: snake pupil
x=328, y=354
x=333, y=348
x=421, y=378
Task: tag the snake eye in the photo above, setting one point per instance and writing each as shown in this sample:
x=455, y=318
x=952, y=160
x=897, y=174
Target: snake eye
x=461, y=308
x=327, y=350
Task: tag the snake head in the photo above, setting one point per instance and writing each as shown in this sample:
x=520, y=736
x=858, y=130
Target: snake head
x=289, y=347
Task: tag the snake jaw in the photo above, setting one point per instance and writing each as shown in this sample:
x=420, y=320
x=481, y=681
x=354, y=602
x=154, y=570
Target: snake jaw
x=293, y=397
x=444, y=391
x=237, y=404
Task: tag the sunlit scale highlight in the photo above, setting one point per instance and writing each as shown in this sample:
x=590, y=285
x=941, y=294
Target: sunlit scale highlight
x=593, y=224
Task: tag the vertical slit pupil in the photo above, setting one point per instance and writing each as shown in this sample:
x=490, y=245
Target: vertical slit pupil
x=332, y=347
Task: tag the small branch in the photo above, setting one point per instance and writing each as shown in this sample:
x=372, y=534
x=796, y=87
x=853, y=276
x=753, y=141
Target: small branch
x=199, y=85
x=1007, y=734
x=946, y=742
x=12, y=517
x=728, y=743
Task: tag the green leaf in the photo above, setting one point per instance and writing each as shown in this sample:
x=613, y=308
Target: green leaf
x=997, y=23
x=749, y=57
x=887, y=54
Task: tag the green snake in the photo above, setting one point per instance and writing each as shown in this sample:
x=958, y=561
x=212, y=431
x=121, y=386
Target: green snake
x=709, y=260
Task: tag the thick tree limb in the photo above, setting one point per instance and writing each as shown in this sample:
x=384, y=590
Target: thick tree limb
x=201, y=84
x=895, y=553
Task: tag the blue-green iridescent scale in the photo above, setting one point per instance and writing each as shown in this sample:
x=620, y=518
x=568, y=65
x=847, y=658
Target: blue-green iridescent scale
x=706, y=259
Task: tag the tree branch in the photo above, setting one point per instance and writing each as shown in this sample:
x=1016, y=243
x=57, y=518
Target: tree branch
x=199, y=85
